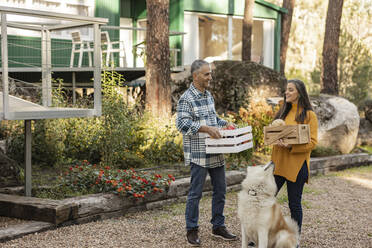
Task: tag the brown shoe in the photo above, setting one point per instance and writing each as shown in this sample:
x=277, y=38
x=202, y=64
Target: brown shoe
x=222, y=232
x=192, y=237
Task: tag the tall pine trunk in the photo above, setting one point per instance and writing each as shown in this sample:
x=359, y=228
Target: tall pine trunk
x=286, y=29
x=158, y=90
x=331, y=47
x=247, y=30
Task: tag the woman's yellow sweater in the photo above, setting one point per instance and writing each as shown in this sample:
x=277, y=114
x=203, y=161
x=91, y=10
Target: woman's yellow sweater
x=288, y=161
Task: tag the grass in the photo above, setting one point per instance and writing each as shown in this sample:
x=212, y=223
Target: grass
x=366, y=169
x=367, y=148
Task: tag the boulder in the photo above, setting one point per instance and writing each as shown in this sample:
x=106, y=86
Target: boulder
x=9, y=171
x=234, y=82
x=338, y=122
x=365, y=133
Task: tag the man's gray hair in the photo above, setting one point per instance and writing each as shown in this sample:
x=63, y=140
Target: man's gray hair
x=197, y=64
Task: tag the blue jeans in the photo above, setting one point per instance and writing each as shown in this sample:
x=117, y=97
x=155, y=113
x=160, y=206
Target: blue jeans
x=198, y=175
x=294, y=191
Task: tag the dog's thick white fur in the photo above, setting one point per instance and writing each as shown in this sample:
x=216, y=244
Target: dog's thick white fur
x=262, y=221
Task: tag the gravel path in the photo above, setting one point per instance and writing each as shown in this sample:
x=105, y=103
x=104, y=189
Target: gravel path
x=337, y=213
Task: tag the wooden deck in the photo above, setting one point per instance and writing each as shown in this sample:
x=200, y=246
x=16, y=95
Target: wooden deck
x=20, y=109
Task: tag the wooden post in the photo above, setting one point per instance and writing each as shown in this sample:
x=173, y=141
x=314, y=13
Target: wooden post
x=4, y=55
x=74, y=87
x=229, y=37
x=28, y=177
x=48, y=52
x=44, y=69
x=97, y=70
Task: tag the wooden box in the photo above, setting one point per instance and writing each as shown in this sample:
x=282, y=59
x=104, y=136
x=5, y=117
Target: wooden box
x=232, y=141
x=290, y=134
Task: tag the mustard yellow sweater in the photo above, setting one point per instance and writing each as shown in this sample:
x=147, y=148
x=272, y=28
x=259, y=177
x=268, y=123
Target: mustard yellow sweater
x=288, y=162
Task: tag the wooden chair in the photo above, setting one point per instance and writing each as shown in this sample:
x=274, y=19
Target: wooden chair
x=110, y=47
x=79, y=46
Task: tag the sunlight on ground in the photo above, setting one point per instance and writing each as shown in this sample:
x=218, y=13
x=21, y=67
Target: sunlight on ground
x=361, y=181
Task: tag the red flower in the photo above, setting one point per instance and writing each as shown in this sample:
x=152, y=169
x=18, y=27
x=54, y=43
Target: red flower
x=121, y=180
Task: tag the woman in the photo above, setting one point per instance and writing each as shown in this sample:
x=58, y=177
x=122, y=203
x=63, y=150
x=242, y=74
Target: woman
x=292, y=161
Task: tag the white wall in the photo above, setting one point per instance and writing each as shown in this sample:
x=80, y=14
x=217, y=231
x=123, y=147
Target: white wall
x=191, y=39
x=268, y=43
x=127, y=37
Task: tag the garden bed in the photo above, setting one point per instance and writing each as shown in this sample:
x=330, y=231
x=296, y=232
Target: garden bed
x=332, y=207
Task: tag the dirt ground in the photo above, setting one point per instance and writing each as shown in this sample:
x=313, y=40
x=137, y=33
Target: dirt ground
x=337, y=213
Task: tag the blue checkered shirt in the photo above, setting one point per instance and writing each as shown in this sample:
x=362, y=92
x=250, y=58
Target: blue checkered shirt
x=197, y=109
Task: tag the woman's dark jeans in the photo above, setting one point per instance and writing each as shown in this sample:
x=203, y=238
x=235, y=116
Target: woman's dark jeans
x=198, y=175
x=294, y=190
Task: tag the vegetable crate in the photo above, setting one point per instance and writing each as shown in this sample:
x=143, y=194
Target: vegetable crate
x=290, y=134
x=232, y=141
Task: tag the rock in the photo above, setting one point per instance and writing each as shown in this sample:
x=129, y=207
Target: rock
x=9, y=171
x=233, y=83
x=338, y=122
x=368, y=110
x=365, y=133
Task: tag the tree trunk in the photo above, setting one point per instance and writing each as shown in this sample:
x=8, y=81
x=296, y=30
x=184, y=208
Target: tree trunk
x=331, y=47
x=247, y=30
x=158, y=90
x=286, y=29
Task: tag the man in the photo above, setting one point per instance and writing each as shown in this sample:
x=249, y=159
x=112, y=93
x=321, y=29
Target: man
x=196, y=117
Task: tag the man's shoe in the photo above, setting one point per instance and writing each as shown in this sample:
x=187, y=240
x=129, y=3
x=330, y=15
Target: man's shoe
x=192, y=237
x=221, y=232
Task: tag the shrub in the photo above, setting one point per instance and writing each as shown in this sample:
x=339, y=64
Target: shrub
x=163, y=142
x=258, y=114
x=87, y=177
x=321, y=151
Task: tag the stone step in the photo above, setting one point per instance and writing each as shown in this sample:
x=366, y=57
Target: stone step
x=31, y=208
x=19, y=230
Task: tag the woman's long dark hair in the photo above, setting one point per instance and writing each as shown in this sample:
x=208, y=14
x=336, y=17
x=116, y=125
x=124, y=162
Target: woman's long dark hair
x=303, y=103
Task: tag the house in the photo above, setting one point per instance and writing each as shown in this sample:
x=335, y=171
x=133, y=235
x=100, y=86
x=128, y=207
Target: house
x=213, y=29
x=207, y=29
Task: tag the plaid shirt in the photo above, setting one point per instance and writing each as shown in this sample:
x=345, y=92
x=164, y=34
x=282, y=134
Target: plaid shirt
x=196, y=109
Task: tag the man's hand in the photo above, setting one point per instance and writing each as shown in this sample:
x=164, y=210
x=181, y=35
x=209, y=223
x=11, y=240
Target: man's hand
x=214, y=132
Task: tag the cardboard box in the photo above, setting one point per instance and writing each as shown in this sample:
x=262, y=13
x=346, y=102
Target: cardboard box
x=290, y=134
x=232, y=141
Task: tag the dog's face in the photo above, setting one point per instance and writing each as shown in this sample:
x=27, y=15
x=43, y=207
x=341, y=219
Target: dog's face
x=260, y=180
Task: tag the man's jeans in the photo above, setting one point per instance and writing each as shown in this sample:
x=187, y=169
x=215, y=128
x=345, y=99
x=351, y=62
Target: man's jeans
x=198, y=175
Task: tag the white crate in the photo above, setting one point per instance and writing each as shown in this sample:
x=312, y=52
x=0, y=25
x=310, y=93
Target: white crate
x=232, y=141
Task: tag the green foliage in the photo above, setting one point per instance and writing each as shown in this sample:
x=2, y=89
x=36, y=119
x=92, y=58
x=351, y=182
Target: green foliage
x=163, y=141
x=119, y=134
x=321, y=151
x=122, y=137
x=257, y=115
x=86, y=177
x=355, y=69
x=46, y=145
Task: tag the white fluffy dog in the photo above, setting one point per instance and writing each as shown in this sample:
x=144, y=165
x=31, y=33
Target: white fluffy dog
x=261, y=218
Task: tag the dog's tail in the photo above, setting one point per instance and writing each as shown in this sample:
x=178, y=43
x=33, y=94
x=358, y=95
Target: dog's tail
x=292, y=225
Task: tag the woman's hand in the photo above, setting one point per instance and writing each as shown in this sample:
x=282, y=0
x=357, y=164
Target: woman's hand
x=282, y=144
